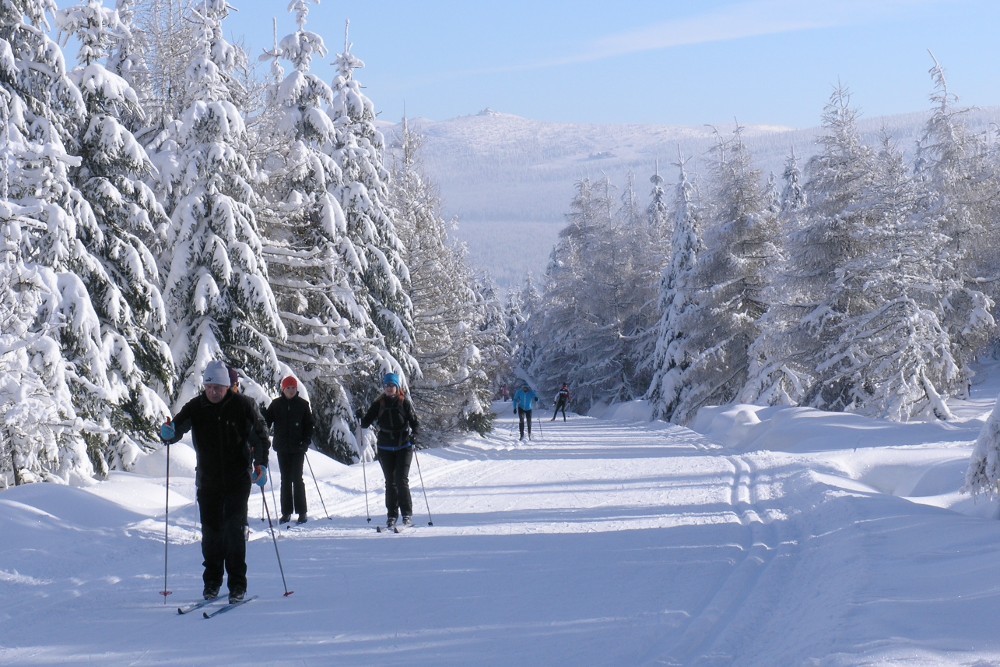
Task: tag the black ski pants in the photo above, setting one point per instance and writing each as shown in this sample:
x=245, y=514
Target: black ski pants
x=293, y=489
x=396, y=469
x=522, y=417
x=223, y=547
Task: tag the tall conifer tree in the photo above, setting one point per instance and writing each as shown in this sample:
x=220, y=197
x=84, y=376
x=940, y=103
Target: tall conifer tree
x=127, y=217
x=57, y=373
x=671, y=357
x=309, y=253
x=380, y=278
x=456, y=338
x=721, y=321
x=217, y=286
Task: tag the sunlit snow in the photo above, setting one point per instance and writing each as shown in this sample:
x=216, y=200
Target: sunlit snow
x=777, y=536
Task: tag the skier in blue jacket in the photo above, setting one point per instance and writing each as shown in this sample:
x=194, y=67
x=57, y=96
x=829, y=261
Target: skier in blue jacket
x=524, y=400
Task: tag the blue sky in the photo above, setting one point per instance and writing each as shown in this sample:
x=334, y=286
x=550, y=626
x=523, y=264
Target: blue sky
x=675, y=62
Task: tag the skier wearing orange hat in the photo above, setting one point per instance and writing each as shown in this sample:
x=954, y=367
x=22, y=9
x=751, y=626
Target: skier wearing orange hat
x=291, y=418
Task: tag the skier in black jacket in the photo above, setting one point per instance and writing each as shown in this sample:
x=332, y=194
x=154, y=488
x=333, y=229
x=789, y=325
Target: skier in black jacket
x=397, y=425
x=291, y=417
x=231, y=445
x=561, y=399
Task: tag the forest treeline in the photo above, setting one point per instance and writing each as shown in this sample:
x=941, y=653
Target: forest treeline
x=858, y=279
x=163, y=205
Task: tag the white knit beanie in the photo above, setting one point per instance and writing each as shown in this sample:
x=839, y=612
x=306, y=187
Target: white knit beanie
x=216, y=373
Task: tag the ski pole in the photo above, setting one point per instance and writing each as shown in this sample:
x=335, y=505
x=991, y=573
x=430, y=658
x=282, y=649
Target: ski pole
x=364, y=473
x=166, y=527
x=262, y=517
x=430, y=520
x=317, y=486
x=364, y=469
x=270, y=481
x=263, y=497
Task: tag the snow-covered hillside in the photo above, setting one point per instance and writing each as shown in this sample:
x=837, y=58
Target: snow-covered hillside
x=509, y=180
x=764, y=537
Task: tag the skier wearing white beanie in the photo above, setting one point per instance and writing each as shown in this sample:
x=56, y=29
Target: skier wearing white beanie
x=231, y=445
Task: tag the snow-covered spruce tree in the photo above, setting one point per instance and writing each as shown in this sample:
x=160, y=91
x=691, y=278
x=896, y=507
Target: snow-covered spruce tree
x=893, y=354
x=655, y=260
x=826, y=235
x=772, y=198
x=308, y=252
x=380, y=278
x=729, y=277
x=219, y=303
x=770, y=380
x=126, y=216
x=155, y=58
x=642, y=235
x=39, y=439
x=519, y=326
x=450, y=318
x=55, y=354
x=494, y=342
x=864, y=284
x=576, y=328
x=793, y=195
x=983, y=474
x=671, y=357
x=128, y=58
x=959, y=186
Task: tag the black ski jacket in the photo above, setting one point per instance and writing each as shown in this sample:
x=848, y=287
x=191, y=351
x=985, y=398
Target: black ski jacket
x=396, y=421
x=229, y=438
x=292, y=421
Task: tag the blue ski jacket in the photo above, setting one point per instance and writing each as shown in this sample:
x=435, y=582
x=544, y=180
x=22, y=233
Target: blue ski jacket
x=525, y=398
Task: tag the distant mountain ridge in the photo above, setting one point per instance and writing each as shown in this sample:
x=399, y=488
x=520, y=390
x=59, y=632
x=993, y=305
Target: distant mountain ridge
x=509, y=180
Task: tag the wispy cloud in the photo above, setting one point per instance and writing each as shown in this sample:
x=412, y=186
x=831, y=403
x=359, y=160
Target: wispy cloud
x=730, y=22
x=754, y=18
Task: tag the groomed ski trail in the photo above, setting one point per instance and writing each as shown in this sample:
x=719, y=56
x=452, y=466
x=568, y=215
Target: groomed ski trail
x=587, y=476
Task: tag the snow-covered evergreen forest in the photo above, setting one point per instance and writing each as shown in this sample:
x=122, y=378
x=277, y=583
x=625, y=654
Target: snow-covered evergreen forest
x=168, y=199
x=862, y=277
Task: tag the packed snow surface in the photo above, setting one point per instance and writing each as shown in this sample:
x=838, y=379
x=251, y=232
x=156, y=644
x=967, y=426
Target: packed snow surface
x=761, y=536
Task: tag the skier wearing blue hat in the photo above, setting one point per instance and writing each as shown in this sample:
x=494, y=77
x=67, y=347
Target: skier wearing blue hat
x=394, y=416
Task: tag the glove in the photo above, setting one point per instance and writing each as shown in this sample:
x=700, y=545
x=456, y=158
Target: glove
x=259, y=476
x=359, y=414
x=167, y=431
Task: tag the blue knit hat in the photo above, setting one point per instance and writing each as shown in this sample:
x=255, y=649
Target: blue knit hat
x=390, y=378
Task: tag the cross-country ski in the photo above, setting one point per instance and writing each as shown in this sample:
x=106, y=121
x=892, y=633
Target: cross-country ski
x=194, y=606
x=229, y=606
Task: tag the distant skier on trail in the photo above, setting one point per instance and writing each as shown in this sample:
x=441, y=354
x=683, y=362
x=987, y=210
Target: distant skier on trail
x=524, y=401
x=561, y=399
x=231, y=445
x=397, y=423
